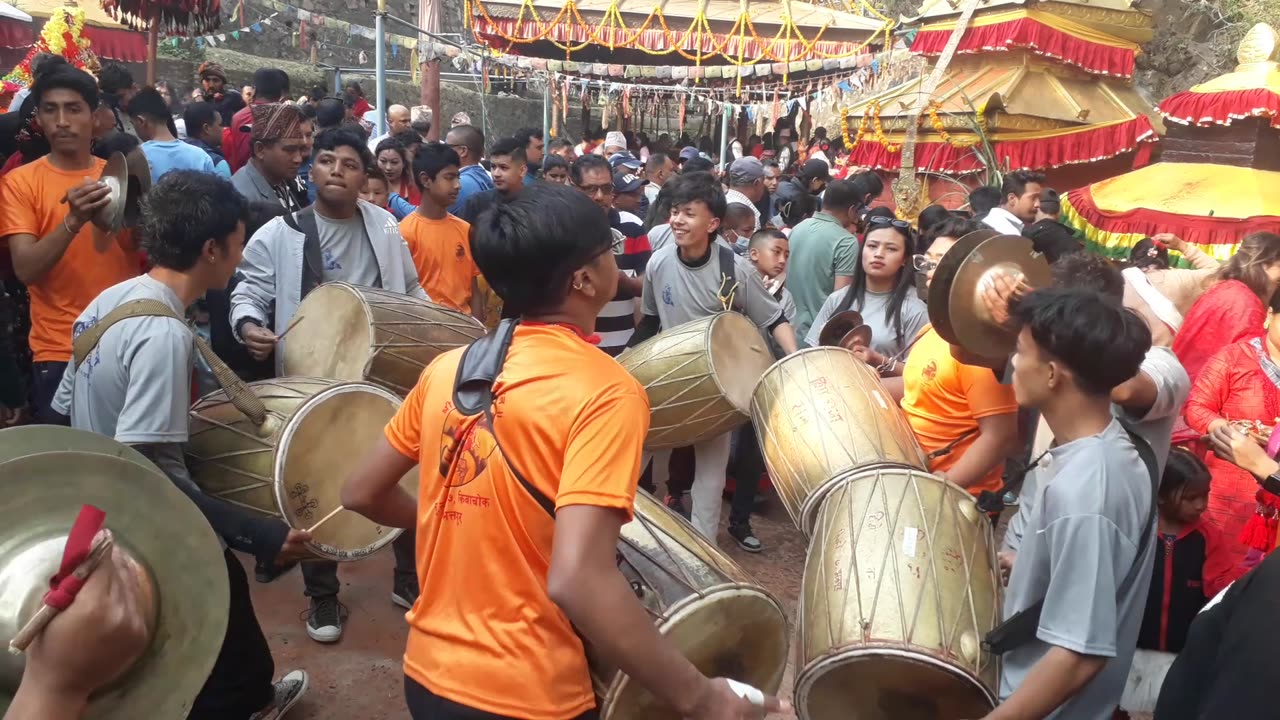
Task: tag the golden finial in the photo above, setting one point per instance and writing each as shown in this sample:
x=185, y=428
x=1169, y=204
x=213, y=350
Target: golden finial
x=1259, y=45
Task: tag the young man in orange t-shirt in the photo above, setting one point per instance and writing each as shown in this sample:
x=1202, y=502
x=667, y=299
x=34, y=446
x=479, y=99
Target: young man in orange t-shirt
x=961, y=412
x=45, y=219
x=517, y=543
x=438, y=241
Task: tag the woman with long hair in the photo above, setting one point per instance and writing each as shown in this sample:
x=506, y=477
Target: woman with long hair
x=1240, y=384
x=883, y=291
x=393, y=160
x=1161, y=294
x=1235, y=307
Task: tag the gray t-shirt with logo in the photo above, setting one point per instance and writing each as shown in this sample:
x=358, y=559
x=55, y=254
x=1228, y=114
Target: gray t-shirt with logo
x=884, y=336
x=345, y=251
x=1081, y=540
x=678, y=293
x=136, y=384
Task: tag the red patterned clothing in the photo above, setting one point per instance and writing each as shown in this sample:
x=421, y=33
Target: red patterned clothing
x=1232, y=385
x=1228, y=312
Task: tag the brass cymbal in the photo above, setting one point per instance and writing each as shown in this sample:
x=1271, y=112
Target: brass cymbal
x=139, y=179
x=956, y=308
x=838, y=326
x=857, y=337
x=116, y=177
x=25, y=440
x=158, y=526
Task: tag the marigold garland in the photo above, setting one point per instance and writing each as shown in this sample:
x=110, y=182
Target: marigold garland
x=62, y=34
x=871, y=117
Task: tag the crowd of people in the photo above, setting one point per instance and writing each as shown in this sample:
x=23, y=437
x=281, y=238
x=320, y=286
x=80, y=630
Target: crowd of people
x=1131, y=423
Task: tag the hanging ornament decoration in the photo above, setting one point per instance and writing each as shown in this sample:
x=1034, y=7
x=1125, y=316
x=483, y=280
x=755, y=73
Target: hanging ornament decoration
x=62, y=35
x=171, y=17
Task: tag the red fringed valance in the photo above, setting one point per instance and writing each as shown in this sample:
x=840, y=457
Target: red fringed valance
x=1142, y=222
x=15, y=34
x=1037, y=37
x=1221, y=108
x=1089, y=144
x=491, y=31
x=118, y=45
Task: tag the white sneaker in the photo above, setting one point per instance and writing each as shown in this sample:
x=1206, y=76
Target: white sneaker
x=288, y=691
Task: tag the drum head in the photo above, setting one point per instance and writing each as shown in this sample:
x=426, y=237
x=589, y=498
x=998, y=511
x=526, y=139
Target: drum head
x=739, y=357
x=153, y=522
x=325, y=441
x=331, y=335
x=887, y=684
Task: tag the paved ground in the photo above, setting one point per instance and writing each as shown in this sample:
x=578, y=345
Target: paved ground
x=361, y=675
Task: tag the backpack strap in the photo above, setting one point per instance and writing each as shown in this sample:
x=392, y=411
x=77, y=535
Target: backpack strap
x=473, y=393
x=237, y=391
x=728, y=292
x=304, y=222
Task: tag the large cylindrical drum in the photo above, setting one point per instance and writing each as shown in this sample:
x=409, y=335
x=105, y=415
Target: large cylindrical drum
x=293, y=466
x=900, y=587
x=699, y=377
x=820, y=414
x=349, y=332
x=703, y=602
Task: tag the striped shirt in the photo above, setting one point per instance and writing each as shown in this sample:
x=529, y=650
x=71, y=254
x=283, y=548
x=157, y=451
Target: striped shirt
x=617, y=321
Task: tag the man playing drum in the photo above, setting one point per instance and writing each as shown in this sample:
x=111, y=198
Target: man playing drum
x=686, y=280
x=134, y=385
x=338, y=238
x=523, y=492
x=1079, y=584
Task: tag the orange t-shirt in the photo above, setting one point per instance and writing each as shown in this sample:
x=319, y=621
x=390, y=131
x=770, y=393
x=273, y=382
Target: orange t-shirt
x=31, y=204
x=944, y=399
x=485, y=633
x=441, y=251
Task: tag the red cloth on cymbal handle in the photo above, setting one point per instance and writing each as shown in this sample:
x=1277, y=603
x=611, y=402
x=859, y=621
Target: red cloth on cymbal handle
x=64, y=586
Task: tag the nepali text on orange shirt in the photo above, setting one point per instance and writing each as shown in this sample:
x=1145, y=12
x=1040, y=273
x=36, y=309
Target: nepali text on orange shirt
x=484, y=632
x=31, y=203
x=441, y=251
x=944, y=399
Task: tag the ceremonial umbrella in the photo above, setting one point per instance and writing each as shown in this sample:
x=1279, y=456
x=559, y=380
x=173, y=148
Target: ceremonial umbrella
x=174, y=17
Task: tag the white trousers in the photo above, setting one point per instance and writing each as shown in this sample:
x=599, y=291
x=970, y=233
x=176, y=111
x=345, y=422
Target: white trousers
x=711, y=461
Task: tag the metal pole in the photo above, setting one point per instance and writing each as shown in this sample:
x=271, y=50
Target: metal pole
x=153, y=35
x=380, y=65
x=337, y=81
x=724, y=137
x=546, y=114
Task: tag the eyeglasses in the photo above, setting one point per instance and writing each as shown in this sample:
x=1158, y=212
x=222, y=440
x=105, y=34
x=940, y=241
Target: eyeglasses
x=605, y=189
x=922, y=263
x=891, y=222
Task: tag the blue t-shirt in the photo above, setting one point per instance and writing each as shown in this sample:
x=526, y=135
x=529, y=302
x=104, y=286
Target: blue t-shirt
x=472, y=180
x=175, y=155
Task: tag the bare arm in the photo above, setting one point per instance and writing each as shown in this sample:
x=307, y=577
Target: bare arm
x=477, y=300
x=632, y=286
x=374, y=491
x=1137, y=395
x=1052, y=681
x=997, y=437
x=786, y=337
x=33, y=259
x=842, y=281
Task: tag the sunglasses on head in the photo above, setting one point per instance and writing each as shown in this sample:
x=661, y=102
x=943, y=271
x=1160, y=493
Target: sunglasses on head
x=891, y=222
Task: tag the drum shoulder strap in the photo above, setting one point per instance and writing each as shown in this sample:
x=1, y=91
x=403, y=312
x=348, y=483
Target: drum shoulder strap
x=86, y=341
x=728, y=293
x=1022, y=627
x=304, y=221
x=473, y=393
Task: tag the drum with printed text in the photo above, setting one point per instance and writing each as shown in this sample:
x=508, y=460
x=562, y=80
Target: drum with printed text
x=699, y=377
x=821, y=414
x=714, y=613
x=348, y=332
x=900, y=586
x=293, y=466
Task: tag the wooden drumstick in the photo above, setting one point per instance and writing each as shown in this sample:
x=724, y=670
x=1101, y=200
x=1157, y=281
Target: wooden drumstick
x=325, y=519
x=102, y=545
x=292, y=324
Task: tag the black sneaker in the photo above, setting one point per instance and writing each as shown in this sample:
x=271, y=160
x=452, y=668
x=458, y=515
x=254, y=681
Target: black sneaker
x=324, y=619
x=746, y=539
x=676, y=505
x=404, y=591
x=288, y=691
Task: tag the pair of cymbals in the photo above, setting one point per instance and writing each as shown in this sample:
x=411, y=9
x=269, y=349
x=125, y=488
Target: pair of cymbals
x=46, y=474
x=845, y=329
x=958, y=309
x=129, y=178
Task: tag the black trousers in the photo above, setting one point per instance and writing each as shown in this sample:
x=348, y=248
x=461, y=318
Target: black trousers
x=242, y=682
x=426, y=705
x=46, y=376
x=320, y=577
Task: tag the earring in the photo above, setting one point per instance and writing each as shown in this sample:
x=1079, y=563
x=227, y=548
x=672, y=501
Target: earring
x=577, y=286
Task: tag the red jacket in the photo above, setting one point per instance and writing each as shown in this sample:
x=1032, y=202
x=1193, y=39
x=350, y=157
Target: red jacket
x=1227, y=312
x=236, y=145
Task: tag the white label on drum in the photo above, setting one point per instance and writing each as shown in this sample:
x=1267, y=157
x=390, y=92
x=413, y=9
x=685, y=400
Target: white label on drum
x=880, y=399
x=909, y=535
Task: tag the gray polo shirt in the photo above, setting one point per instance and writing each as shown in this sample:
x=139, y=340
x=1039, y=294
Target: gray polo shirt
x=679, y=293
x=1081, y=540
x=875, y=313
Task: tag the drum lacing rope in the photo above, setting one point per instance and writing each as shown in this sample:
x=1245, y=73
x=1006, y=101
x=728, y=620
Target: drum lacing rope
x=726, y=297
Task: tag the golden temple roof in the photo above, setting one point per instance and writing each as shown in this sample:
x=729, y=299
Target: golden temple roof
x=1119, y=18
x=1258, y=68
